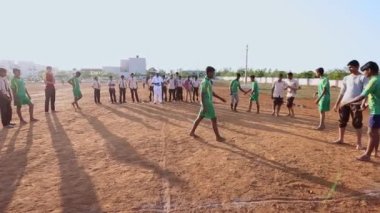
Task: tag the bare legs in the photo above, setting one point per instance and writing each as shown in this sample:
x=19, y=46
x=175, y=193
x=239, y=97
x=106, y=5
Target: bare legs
x=257, y=107
x=214, y=126
x=75, y=103
x=321, y=126
x=373, y=144
x=31, y=109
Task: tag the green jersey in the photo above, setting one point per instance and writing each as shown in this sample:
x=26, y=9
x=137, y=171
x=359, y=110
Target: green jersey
x=234, y=86
x=372, y=90
x=207, y=108
x=18, y=85
x=324, y=83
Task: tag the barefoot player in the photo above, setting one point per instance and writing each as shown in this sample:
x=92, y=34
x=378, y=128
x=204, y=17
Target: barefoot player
x=254, y=95
x=76, y=90
x=323, y=100
x=207, y=106
x=234, y=92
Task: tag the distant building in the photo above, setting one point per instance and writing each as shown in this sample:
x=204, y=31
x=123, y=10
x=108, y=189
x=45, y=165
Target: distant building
x=112, y=69
x=91, y=71
x=133, y=65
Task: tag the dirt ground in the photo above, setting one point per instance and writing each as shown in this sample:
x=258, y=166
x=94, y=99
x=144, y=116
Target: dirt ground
x=139, y=158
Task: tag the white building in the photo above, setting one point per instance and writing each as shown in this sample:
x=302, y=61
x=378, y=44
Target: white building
x=112, y=69
x=133, y=65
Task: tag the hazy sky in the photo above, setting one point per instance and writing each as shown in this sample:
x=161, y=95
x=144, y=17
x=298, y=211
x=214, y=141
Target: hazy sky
x=286, y=34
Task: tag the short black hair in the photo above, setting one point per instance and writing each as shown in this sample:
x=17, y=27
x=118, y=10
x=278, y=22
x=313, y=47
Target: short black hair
x=280, y=75
x=238, y=74
x=78, y=73
x=210, y=69
x=371, y=65
x=122, y=76
x=354, y=63
x=3, y=70
x=320, y=70
x=290, y=73
x=16, y=70
x=252, y=76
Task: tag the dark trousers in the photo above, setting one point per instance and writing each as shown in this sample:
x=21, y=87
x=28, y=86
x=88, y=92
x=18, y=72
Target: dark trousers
x=164, y=93
x=195, y=93
x=49, y=98
x=97, y=96
x=113, y=95
x=133, y=94
x=151, y=93
x=356, y=114
x=6, y=111
x=172, y=94
x=122, y=95
x=179, y=93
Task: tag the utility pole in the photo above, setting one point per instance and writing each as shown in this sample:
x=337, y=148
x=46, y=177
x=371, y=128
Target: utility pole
x=246, y=64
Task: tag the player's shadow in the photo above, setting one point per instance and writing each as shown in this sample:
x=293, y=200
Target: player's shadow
x=122, y=151
x=77, y=190
x=12, y=168
x=254, y=158
x=3, y=136
x=130, y=117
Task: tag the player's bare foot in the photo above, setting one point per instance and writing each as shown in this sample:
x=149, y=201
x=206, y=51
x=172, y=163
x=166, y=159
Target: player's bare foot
x=23, y=122
x=338, y=141
x=364, y=158
x=273, y=113
x=33, y=120
x=375, y=155
x=79, y=108
x=220, y=139
x=73, y=104
x=359, y=147
x=288, y=115
x=320, y=128
x=277, y=115
x=193, y=135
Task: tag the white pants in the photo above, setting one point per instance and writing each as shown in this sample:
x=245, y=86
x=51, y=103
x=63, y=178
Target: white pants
x=157, y=94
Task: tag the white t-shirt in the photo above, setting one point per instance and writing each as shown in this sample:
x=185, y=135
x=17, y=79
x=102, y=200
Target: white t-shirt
x=279, y=88
x=196, y=83
x=132, y=82
x=123, y=83
x=352, y=86
x=96, y=85
x=111, y=84
x=172, y=83
x=157, y=81
x=292, y=92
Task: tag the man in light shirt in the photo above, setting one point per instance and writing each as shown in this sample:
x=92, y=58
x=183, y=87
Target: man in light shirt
x=96, y=85
x=179, y=89
x=5, y=100
x=172, y=88
x=112, y=90
x=157, y=88
x=352, y=86
x=150, y=86
x=196, y=84
x=278, y=88
x=164, y=89
x=293, y=86
x=122, y=89
x=132, y=83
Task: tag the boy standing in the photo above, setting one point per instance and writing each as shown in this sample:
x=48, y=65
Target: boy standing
x=150, y=86
x=278, y=88
x=76, y=90
x=132, y=83
x=96, y=86
x=254, y=95
x=21, y=96
x=49, y=89
x=196, y=88
x=5, y=100
x=172, y=88
x=372, y=90
x=179, y=90
x=112, y=90
x=207, y=106
x=234, y=92
x=293, y=86
x=323, y=100
x=122, y=89
x=157, y=88
x=352, y=86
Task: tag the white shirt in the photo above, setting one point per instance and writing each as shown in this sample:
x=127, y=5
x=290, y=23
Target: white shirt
x=279, y=88
x=123, y=83
x=111, y=84
x=96, y=84
x=292, y=92
x=157, y=81
x=196, y=83
x=172, y=83
x=132, y=82
x=180, y=83
x=352, y=86
x=4, y=86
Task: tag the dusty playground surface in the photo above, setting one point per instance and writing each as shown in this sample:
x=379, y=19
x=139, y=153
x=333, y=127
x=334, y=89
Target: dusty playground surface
x=139, y=158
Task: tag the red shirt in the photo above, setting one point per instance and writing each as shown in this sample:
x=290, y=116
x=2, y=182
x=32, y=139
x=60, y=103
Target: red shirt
x=49, y=77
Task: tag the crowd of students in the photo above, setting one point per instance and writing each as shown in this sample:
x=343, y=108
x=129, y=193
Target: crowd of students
x=358, y=92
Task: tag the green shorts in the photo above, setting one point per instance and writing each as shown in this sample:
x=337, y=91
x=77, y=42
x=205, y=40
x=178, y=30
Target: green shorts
x=255, y=98
x=210, y=113
x=324, y=105
x=77, y=93
x=22, y=100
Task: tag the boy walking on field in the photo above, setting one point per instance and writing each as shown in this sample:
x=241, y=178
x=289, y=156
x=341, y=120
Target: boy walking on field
x=293, y=86
x=76, y=90
x=207, y=106
x=21, y=96
x=323, y=95
x=234, y=92
x=254, y=95
x=372, y=91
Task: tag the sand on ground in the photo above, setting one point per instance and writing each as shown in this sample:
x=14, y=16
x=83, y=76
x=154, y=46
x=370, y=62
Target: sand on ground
x=139, y=158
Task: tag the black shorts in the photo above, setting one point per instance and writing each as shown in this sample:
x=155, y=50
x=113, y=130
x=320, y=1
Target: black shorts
x=278, y=101
x=351, y=110
x=289, y=102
